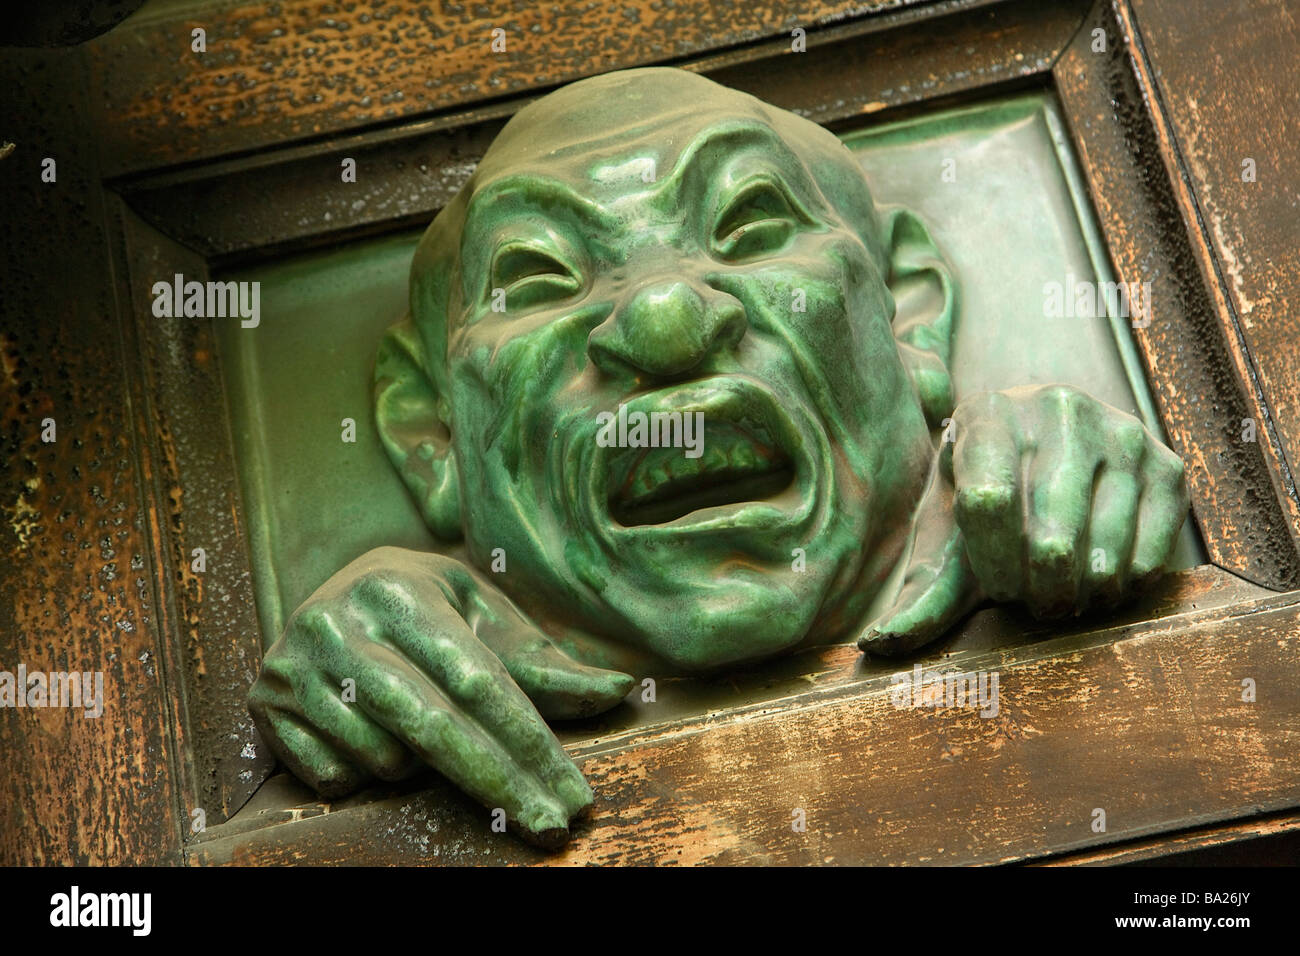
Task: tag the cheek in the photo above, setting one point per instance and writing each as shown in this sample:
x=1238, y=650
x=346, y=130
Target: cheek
x=860, y=301
x=489, y=399
x=513, y=441
x=522, y=415
x=867, y=353
x=828, y=303
x=506, y=379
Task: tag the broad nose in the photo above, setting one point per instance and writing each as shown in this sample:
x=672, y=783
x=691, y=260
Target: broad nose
x=667, y=327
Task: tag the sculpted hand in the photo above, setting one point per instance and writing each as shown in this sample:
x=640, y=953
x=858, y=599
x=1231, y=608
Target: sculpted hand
x=1047, y=497
x=445, y=671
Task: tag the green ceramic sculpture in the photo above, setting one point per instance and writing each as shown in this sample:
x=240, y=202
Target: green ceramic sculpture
x=675, y=395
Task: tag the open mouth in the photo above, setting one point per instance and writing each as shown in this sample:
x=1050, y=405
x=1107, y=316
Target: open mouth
x=739, y=463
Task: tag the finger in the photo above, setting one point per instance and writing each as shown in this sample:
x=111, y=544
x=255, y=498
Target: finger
x=1113, y=523
x=562, y=688
x=1061, y=481
x=320, y=704
x=989, y=507
x=349, y=729
x=476, y=679
x=300, y=748
x=1161, y=513
x=410, y=704
x=1111, y=530
x=402, y=698
x=559, y=687
x=441, y=643
x=939, y=587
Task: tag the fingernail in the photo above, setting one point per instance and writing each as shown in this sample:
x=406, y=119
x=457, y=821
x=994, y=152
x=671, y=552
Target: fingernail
x=544, y=815
x=574, y=792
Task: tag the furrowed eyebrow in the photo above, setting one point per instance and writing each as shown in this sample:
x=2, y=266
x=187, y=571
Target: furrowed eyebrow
x=704, y=154
x=540, y=194
x=536, y=203
x=715, y=149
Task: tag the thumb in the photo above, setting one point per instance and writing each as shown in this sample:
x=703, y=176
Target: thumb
x=939, y=587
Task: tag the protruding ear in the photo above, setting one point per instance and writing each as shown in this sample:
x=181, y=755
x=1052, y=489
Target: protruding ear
x=925, y=298
x=413, y=426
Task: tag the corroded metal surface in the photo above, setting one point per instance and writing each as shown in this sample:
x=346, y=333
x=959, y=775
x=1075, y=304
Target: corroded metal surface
x=409, y=171
x=1086, y=722
x=1201, y=378
x=279, y=71
x=211, y=633
x=1246, y=181
x=76, y=550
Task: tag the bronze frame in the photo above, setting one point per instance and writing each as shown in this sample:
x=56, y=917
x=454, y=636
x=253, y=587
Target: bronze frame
x=198, y=212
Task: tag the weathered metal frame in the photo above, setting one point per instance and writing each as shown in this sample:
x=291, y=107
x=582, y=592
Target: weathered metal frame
x=220, y=213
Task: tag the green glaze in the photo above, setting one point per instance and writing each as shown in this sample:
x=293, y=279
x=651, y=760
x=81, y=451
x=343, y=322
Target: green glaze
x=651, y=240
x=312, y=501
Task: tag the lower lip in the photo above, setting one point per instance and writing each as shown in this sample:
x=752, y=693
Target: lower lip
x=740, y=516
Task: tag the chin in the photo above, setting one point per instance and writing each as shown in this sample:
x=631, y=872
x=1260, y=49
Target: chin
x=708, y=604
x=698, y=634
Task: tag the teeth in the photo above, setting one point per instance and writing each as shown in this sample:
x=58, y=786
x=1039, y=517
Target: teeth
x=714, y=458
x=662, y=473
x=743, y=457
x=659, y=474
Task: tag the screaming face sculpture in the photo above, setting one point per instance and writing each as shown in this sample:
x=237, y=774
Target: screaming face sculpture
x=669, y=390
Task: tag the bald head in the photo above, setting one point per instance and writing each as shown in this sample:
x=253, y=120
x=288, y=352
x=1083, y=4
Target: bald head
x=632, y=138
x=649, y=243
x=593, y=125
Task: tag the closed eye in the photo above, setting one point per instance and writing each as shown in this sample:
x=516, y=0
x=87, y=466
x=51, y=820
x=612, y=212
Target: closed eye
x=759, y=220
x=530, y=276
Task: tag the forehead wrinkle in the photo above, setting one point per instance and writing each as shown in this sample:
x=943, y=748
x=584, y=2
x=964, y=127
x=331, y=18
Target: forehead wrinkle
x=539, y=193
x=716, y=146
